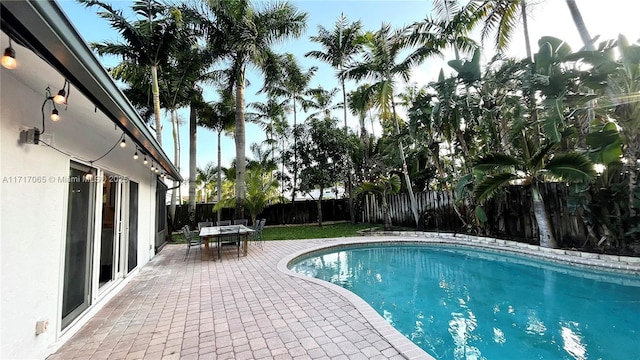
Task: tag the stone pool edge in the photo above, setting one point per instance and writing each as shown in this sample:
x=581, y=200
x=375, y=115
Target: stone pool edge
x=622, y=264
x=398, y=341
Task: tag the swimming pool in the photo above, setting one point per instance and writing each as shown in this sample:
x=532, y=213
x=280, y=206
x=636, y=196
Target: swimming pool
x=459, y=303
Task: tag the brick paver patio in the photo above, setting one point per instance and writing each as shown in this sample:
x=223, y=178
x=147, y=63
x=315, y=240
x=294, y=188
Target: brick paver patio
x=233, y=309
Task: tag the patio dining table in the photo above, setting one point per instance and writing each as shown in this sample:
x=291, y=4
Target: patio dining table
x=219, y=231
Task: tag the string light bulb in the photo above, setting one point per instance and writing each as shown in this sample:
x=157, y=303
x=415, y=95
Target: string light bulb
x=61, y=97
x=9, y=57
x=152, y=167
x=135, y=156
x=123, y=143
x=55, y=116
x=145, y=161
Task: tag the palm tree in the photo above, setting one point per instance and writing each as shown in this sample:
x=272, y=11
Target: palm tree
x=149, y=42
x=360, y=106
x=268, y=115
x=380, y=65
x=220, y=117
x=339, y=47
x=450, y=30
x=261, y=191
x=531, y=164
x=499, y=17
x=321, y=101
x=382, y=186
x=291, y=82
x=245, y=34
x=205, y=179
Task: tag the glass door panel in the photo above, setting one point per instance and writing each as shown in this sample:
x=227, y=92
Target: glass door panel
x=132, y=258
x=110, y=216
x=77, y=260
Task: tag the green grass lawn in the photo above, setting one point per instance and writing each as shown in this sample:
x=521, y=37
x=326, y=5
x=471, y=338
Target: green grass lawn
x=299, y=232
x=313, y=231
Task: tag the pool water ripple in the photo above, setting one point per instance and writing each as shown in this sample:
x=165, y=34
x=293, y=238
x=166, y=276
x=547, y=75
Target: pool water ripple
x=458, y=303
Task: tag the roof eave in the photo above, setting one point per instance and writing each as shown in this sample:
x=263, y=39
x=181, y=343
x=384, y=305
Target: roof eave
x=55, y=39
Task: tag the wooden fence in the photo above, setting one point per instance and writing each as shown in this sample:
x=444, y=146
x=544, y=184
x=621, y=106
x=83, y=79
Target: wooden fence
x=299, y=212
x=510, y=214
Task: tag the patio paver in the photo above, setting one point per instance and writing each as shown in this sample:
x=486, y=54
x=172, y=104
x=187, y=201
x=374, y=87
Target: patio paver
x=234, y=309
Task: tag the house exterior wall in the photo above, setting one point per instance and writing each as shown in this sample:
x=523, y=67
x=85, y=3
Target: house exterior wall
x=33, y=215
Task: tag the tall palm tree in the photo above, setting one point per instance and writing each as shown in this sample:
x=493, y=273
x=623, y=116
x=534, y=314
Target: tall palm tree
x=292, y=82
x=381, y=65
x=246, y=34
x=148, y=41
x=451, y=29
x=501, y=18
x=219, y=116
x=339, y=47
x=360, y=106
x=321, y=100
x=267, y=115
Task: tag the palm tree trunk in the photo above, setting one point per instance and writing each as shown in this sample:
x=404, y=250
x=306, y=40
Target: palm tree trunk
x=155, y=90
x=580, y=25
x=193, y=134
x=525, y=26
x=295, y=154
x=176, y=161
x=542, y=219
x=349, y=184
x=219, y=184
x=386, y=214
x=405, y=169
x=633, y=178
x=240, y=147
x=583, y=126
x=320, y=207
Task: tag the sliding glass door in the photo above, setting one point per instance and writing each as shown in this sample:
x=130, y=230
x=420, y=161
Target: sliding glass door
x=132, y=253
x=78, y=245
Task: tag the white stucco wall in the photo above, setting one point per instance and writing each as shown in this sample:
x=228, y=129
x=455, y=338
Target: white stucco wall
x=33, y=212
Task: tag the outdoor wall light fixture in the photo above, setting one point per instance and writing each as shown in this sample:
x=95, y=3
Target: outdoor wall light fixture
x=55, y=116
x=61, y=97
x=9, y=57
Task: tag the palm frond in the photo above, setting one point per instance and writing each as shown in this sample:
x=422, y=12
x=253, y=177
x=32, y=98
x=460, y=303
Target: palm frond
x=496, y=162
x=491, y=185
x=571, y=167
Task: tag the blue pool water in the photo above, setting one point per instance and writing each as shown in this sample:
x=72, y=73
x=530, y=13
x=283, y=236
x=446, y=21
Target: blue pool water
x=460, y=303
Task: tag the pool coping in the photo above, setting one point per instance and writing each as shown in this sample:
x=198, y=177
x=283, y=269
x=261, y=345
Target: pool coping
x=620, y=264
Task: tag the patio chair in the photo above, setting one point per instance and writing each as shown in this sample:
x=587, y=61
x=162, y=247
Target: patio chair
x=231, y=237
x=202, y=224
x=256, y=236
x=240, y=222
x=224, y=223
x=192, y=240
